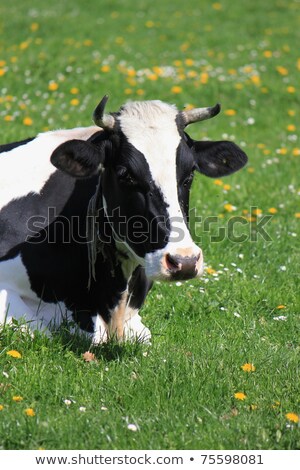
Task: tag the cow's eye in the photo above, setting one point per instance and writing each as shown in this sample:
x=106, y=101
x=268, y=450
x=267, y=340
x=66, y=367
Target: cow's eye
x=124, y=176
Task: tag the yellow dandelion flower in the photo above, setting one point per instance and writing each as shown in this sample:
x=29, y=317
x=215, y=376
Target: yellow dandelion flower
x=74, y=102
x=291, y=128
x=14, y=353
x=74, y=91
x=53, y=86
x=282, y=70
x=280, y=306
x=2, y=72
x=128, y=91
x=131, y=81
x=24, y=45
x=176, y=89
x=238, y=86
x=218, y=182
x=192, y=73
x=272, y=210
x=140, y=92
x=2, y=63
x=189, y=62
x=268, y=54
x=255, y=79
x=149, y=24
x=297, y=215
x=217, y=6
x=29, y=412
x=229, y=207
x=34, y=27
x=291, y=89
x=87, y=42
x=232, y=71
x=282, y=151
x=226, y=187
x=230, y=112
x=248, y=367
x=240, y=396
x=157, y=70
x=131, y=73
x=210, y=270
x=152, y=77
x=291, y=112
x=27, y=121
x=296, y=152
x=248, y=69
x=1, y=407
x=292, y=417
x=105, y=68
x=17, y=398
x=8, y=118
x=264, y=89
x=204, y=78
x=177, y=63
x=250, y=169
x=257, y=211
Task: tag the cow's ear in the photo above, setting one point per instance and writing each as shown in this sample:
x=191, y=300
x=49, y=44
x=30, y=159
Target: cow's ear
x=216, y=159
x=78, y=158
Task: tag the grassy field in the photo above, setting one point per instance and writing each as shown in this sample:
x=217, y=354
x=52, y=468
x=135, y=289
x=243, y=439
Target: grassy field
x=223, y=369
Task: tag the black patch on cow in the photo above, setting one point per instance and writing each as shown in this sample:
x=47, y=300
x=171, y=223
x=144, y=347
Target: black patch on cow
x=57, y=263
x=132, y=195
x=26, y=216
x=13, y=145
x=185, y=167
x=139, y=287
x=217, y=159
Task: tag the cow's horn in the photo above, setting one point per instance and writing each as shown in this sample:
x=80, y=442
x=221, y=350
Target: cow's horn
x=200, y=114
x=106, y=121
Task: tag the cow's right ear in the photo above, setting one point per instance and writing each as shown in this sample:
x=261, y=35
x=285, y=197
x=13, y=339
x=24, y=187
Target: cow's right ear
x=78, y=158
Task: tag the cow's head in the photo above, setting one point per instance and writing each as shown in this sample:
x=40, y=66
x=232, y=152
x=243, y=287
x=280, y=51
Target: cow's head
x=146, y=163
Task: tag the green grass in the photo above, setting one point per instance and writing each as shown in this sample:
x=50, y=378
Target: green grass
x=180, y=391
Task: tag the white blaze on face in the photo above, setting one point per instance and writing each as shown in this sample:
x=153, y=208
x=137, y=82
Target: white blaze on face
x=151, y=128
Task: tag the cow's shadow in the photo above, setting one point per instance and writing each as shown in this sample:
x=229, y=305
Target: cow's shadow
x=79, y=343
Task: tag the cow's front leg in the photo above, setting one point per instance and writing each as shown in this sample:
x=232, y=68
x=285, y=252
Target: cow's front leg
x=100, y=330
x=117, y=318
x=134, y=329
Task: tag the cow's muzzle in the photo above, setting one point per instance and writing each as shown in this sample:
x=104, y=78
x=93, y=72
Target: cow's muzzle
x=181, y=266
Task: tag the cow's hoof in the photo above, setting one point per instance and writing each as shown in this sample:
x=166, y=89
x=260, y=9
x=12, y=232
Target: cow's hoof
x=135, y=330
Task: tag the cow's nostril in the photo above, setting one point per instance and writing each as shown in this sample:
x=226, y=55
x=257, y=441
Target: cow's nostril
x=172, y=263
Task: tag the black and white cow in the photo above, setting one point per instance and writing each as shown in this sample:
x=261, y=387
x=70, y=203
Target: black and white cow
x=89, y=217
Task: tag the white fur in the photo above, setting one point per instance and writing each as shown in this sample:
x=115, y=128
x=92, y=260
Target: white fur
x=135, y=330
x=26, y=169
x=17, y=300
